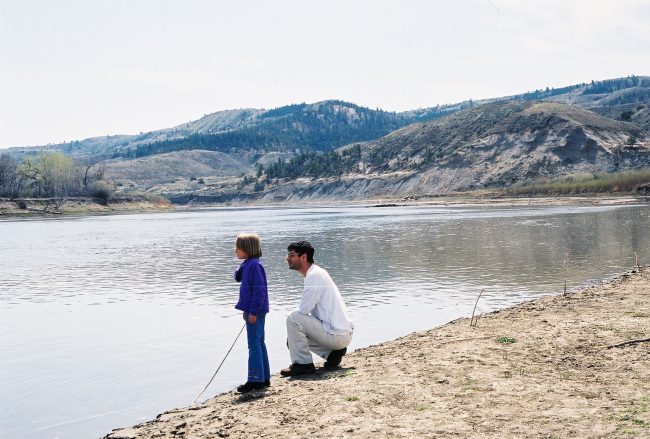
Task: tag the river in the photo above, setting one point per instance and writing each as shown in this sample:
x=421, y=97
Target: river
x=107, y=321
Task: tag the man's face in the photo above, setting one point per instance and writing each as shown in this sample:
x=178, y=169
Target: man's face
x=295, y=260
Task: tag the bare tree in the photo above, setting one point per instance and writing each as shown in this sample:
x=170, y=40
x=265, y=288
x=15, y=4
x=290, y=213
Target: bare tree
x=7, y=175
x=31, y=176
x=92, y=172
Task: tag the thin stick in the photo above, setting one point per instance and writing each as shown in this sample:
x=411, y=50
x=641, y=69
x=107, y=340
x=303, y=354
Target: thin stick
x=224, y=359
x=618, y=345
x=636, y=257
x=566, y=272
x=474, y=310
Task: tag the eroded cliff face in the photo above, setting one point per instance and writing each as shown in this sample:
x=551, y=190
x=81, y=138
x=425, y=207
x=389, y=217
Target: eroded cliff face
x=492, y=146
x=490, y=161
x=508, y=160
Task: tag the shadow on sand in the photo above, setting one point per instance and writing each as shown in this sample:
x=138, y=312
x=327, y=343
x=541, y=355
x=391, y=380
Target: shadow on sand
x=321, y=374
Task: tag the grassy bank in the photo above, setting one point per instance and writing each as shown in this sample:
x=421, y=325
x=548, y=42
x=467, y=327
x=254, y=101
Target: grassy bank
x=631, y=182
x=28, y=207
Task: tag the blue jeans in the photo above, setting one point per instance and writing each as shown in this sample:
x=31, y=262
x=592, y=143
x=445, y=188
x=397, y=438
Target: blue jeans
x=258, y=359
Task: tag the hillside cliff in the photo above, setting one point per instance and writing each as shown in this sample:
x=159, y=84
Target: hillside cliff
x=493, y=145
x=338, y=150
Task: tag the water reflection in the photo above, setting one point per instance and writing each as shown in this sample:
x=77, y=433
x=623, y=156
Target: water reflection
x=139, y=308
x=188, y=257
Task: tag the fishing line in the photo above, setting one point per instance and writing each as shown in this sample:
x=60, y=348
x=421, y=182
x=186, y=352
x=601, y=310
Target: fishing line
x=221, y=364
x=87, y=418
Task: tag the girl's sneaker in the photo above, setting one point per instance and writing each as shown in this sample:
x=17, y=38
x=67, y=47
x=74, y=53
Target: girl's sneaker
x=251, y=385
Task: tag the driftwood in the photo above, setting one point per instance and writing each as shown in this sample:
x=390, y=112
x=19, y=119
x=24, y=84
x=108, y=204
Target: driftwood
x=463, y=339
x=625, y=343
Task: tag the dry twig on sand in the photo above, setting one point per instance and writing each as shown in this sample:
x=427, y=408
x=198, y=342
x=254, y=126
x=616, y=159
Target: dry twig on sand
x=472, y=322
x=625, y=343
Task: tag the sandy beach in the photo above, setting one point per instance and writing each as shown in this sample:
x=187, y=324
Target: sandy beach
x=575, y=365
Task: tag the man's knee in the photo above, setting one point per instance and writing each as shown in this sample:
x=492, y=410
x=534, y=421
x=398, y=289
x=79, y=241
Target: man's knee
x=293, y=319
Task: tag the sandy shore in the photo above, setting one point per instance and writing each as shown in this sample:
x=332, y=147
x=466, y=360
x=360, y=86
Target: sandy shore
x=546, y=368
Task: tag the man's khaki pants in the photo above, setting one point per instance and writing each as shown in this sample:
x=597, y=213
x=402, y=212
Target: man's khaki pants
x=306, y=334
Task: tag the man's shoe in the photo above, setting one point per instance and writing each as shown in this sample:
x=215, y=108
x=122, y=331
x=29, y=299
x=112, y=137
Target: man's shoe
x=251, y=385
x=298, y=369
x=267, y=383
x=334, y=358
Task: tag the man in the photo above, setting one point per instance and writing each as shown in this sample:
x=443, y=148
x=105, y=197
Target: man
x=321, y=324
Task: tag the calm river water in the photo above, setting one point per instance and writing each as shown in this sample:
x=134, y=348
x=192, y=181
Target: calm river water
x=108, y=321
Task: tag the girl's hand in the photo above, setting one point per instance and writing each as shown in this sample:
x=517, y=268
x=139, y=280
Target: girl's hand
x=252, y=319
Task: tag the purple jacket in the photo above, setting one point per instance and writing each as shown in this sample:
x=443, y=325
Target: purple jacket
x=253, y=292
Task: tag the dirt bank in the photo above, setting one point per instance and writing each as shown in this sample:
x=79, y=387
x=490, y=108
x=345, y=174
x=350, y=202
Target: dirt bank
x=48, y=207
x=460, y=199
x=554, y=367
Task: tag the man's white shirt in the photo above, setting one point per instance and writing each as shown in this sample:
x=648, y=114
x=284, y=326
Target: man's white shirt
x=322, y=299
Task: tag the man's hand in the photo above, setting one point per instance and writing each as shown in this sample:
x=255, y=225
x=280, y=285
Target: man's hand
x=252, y=319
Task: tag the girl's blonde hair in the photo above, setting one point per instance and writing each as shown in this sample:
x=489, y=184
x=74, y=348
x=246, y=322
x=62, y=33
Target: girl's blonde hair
x=250, y=244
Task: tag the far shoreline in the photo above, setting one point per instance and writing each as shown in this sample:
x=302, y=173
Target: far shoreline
x=73, y=207
x=29, y=208
x=457, y=199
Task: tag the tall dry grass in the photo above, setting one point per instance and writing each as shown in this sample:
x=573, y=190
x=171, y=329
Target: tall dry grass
x=628, y=181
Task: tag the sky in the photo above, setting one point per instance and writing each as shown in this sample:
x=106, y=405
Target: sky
x=73, y=69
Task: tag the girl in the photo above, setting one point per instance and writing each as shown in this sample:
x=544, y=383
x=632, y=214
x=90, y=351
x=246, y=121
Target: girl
x=254, y=302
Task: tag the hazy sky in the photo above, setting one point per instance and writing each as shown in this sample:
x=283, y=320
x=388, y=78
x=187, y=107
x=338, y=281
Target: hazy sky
x=72, y=69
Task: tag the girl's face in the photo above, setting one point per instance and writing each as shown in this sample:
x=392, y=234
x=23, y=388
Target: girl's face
x=241, y=254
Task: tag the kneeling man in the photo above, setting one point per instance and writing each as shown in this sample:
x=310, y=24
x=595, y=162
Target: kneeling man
x=321, y=324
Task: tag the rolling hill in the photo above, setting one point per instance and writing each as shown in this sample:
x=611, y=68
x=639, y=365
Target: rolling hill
x=320, y=126
x=335, y=149
x=492, y=145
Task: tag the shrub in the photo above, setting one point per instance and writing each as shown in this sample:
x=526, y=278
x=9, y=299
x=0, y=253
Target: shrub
x=102, y=191
x=156, y=199
x=137, y=196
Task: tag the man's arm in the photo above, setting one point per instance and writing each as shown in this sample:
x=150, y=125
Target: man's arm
x=310, y=296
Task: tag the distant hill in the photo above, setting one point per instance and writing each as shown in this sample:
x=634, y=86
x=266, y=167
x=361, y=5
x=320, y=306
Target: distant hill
x=499, y=132
x=174, y=165
x=491, y=145
x=320, y=126
x=191, y=165
x=327, y=125
x=499, y=124
x=339, y=150
x=626, y=99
